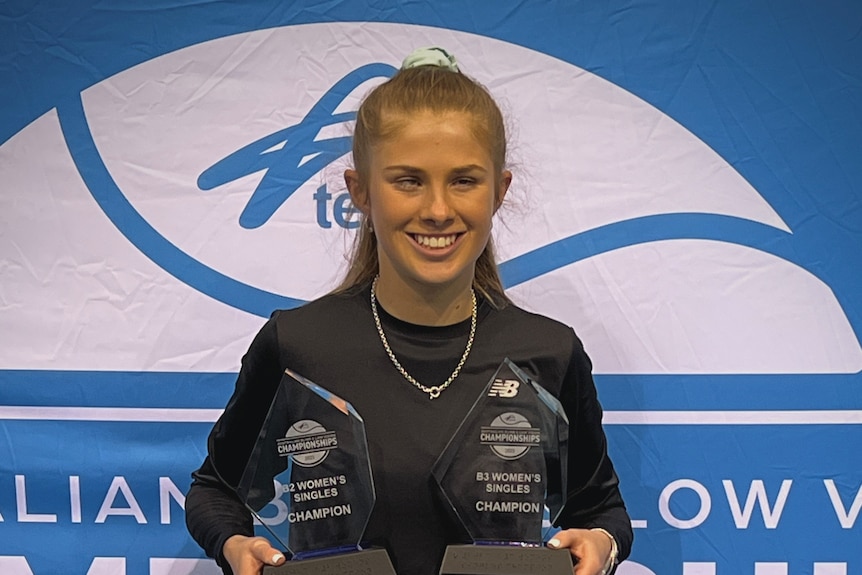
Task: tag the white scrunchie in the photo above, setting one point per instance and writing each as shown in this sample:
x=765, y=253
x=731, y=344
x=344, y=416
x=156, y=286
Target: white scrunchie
x=430, y=56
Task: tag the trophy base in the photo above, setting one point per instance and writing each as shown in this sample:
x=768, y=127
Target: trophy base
x=504, y=560
x=365, y=562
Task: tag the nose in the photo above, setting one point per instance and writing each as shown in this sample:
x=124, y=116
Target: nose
x=437, y=207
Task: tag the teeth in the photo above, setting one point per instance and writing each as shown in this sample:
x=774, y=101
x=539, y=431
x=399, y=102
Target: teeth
x=435, y=241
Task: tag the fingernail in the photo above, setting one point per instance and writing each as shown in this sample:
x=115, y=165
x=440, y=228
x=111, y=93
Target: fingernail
x=277, y=558
x=554, y=543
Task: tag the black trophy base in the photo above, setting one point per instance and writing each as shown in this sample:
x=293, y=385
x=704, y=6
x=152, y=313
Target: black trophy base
x=505, y=560
x=365, y=562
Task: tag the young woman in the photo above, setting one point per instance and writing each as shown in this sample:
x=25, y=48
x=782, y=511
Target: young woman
x=413, y=335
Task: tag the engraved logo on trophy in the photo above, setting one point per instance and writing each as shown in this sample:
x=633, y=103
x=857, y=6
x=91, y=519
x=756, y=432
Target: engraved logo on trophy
x=307, y=443
x=510, y=436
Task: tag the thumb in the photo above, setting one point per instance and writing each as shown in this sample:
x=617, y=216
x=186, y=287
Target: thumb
x=266, y=553
x=562, y=540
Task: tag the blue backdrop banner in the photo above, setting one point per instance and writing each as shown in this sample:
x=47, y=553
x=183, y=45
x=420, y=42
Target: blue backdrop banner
x=687, y=195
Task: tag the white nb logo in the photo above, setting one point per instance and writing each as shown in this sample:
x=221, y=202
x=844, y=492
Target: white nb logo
x=504, y=388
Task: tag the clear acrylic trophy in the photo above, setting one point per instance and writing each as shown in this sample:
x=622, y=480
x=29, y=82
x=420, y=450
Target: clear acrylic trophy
x=506, y=463
x=311, y=456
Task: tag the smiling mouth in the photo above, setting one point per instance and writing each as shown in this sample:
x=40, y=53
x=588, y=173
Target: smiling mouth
x=435, y=242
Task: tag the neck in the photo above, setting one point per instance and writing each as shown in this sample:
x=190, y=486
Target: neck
x=425, y=305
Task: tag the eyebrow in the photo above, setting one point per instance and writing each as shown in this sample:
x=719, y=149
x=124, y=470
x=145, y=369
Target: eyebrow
x=469, y=168
x=414, y=170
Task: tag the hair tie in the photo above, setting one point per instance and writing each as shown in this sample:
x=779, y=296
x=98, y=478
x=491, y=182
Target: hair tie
x=430, y=56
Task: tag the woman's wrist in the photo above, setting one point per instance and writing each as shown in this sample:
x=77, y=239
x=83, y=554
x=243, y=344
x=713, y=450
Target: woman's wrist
x=613, y=556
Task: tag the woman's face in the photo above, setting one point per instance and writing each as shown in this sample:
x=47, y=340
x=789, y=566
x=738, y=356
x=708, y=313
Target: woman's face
x=430, y=194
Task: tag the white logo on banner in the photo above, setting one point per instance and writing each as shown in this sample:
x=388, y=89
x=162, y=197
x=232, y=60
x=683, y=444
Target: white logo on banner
x=219, y=170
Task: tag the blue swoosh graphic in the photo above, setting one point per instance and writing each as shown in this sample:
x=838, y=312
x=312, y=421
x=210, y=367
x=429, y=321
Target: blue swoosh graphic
x=675, y=226
x=283, y=172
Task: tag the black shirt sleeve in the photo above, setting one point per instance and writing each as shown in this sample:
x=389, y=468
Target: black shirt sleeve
x=213, y=511
x=593, y=495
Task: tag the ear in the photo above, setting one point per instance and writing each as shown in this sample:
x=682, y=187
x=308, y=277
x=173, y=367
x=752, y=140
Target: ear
x=358, y=193
x=502, y=187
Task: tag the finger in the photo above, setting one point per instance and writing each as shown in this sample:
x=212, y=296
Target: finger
x=587, y=563
x=266, y=553
x=562, y=540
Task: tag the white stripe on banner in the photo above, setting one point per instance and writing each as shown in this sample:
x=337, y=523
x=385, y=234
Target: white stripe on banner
x=133, y=414
x=798, y=417
x=183, y=415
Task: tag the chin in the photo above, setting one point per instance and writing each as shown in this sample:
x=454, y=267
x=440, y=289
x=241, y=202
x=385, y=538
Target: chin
x=441, y=279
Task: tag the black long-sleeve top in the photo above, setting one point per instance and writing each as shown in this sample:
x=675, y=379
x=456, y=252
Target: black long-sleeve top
x=333, y=341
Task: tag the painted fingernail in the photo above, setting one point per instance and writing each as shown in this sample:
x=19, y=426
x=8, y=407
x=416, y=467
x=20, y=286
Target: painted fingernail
x=277, y=558
x=554, y=543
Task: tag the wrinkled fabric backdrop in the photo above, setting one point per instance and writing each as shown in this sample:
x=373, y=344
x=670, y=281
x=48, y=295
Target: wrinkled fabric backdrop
x=688, y=196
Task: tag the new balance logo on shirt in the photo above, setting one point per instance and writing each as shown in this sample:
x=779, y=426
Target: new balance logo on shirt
x=504, y=388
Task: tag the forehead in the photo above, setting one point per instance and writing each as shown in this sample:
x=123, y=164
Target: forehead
x=426, y=135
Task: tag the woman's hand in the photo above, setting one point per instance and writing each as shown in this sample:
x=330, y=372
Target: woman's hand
x=592, y=549
x=248, y=555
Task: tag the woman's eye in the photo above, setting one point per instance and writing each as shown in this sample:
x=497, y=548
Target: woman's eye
x=407, y=183
x=464, y=182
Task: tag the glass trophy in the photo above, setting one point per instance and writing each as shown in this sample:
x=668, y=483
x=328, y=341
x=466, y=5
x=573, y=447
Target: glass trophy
x=505, y=464
x=311, y=460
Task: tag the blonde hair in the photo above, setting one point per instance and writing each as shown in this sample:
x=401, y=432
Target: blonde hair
x=383, y=112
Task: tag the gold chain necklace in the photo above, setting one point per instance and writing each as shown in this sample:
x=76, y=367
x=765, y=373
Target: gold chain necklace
x=435, y=390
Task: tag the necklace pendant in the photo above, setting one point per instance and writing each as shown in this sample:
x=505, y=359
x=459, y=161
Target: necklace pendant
x=434, y=392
